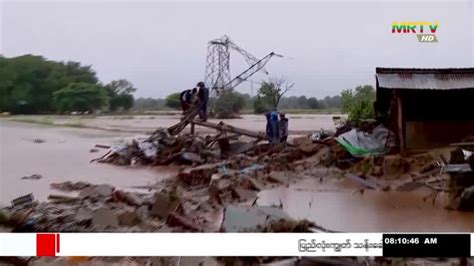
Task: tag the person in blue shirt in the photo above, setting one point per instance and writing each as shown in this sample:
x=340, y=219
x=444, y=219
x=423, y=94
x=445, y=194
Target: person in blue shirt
x=272, y=129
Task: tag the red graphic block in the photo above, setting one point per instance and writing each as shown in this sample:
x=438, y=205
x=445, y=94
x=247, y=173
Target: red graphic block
x=46, y=245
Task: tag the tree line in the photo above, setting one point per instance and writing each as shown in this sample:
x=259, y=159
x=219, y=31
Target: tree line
x=245, y=101
x=31, y=84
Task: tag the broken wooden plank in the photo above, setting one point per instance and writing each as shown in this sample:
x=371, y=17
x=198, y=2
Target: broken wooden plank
x=188, y=117
x=224, y=127
x=457, y=168
x=462, y=144
x=26, y=199
x=102, y=146
x=63, y=199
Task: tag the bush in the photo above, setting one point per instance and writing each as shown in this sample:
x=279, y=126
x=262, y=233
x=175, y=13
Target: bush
x=121, y=101
x=358, y=103
x=229, y=104
x=80, y=97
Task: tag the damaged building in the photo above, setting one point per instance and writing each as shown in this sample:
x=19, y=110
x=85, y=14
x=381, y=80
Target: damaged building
x=427, y=108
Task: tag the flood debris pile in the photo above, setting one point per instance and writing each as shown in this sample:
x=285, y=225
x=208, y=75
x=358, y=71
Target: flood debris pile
x=161, y=148
x=170, y=146
x=103, y=208
x=229, y=167
x=98, y=208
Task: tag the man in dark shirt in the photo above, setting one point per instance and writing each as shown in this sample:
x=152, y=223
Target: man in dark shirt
x=283, y=127
x=203, y=95
x=188, y=98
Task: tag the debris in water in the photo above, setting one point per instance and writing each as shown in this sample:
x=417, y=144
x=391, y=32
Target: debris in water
x=32, y=177
x=70, y=186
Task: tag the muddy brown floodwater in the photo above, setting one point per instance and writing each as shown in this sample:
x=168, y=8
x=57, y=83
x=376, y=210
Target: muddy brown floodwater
x=148, y=123
x=339, y=205
x=64, y=155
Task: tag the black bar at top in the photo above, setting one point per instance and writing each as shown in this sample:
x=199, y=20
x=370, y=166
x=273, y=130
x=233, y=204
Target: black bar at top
x=427, y=245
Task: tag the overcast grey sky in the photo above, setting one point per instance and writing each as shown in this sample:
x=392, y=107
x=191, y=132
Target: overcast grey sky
x=161, y=47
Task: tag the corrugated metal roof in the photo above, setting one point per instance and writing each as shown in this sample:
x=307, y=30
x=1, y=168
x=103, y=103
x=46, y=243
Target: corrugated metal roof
x=387, y=70
x=417, y=80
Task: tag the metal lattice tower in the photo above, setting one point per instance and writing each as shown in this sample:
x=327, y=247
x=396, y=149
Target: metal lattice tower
x=218, y=64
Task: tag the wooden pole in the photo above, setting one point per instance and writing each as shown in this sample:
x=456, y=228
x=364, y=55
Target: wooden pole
x=400, y=122
x=223, y=127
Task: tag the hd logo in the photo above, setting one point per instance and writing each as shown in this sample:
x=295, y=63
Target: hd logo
x=425, y=31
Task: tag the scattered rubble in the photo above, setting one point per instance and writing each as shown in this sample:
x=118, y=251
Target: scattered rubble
x=216, y=181
x=23, y=200
x=287, y=226
x=261, y=219
x=104, y=217
x=218, y=189
x=164, y=205
x=70, y=186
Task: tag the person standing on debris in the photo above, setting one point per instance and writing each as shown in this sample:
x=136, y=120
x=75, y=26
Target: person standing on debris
x=268, y=130
x=203, y=96
x=188, y=98
x=182, y=99
x=283, y=128
x=272, y=127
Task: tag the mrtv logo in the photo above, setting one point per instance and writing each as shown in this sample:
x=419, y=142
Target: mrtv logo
x=424, y=31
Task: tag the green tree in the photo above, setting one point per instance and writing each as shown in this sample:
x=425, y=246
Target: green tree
x=229, y=104
x=303, y=102
x=121, y=101
x=80, y=97
x=173, y=100
x=313, y=103
x=271, y=92
x=120, y=94
x=121, y=86
x=27, y=82
x=358, y=103
x=259, y=106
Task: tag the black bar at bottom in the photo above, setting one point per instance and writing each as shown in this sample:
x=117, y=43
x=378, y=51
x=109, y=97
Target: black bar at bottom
x=427, y=245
